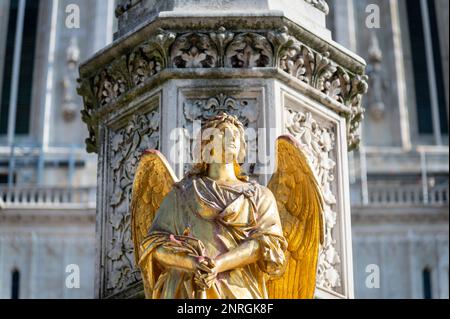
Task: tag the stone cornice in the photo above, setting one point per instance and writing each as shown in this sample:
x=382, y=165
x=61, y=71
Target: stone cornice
x=46, y=216
x=180, y=74
x=362, y=215
x=125, y=5
x=250, y=23
x=134, y=14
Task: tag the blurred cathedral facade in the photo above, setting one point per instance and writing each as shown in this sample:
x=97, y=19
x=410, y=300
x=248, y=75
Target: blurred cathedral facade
x=47, y=180
x=399, y=177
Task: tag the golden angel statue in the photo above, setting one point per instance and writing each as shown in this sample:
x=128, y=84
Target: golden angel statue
x=214, y=234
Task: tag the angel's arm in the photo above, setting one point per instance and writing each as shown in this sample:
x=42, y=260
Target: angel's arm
x=262, y=240
x=243, y=255
x=183, y=256
x=168, y=259
x=174, y=252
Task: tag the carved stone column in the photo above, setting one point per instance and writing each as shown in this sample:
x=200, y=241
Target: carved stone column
x=272, y=63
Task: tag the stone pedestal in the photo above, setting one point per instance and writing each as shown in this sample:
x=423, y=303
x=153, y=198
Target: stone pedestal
x=271, y=63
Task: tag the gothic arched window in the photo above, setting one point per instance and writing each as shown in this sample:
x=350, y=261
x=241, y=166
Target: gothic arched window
x=15, y=283
x=23, y=14
x=431, y=104
x=426, y=279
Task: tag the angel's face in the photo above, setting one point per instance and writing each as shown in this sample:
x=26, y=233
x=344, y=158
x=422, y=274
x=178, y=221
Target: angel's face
x=225, y=145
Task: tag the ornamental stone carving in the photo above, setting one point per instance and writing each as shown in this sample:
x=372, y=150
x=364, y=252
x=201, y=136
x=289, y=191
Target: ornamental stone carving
x=88, y=113
x=132, y=69
x=194, y=50
x=323, y=74
x=70, y=105
x=111, y=82
x=119, y=77
x=319, y=4
x=312, y=68
x=127, y=145
x=221, y=38
x=144, y=62
x=224, y=48
x=206, y=109
x=249, y=50
x=246, y=109
x=319, y=142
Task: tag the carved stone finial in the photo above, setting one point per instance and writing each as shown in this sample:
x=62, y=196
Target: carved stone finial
x=375, y=53
x=376, y=106
x=69, y=106
x=319, y=4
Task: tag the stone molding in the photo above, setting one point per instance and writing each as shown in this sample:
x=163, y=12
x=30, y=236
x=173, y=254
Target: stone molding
x=401, y=215
x=125, y=5
x=47, y=217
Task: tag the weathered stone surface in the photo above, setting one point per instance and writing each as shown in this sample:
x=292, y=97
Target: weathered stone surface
x=308, y=13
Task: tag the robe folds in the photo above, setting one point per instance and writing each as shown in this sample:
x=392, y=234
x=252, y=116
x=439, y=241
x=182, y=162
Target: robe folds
x=202, y=217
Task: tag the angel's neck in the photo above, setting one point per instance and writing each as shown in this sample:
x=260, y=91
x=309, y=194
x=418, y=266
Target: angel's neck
x=221, y=172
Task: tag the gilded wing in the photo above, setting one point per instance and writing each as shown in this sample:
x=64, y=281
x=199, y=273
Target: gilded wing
x=153, y=180
x=300, y=205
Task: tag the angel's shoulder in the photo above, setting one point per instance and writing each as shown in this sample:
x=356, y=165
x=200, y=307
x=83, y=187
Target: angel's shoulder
x=184, y=185
x=263, y=191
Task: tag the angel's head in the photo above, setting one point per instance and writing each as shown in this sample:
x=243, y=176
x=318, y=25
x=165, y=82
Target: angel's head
x=222, y=141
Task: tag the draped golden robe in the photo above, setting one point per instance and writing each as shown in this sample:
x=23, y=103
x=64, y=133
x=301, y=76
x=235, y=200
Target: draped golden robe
x=208, y=219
